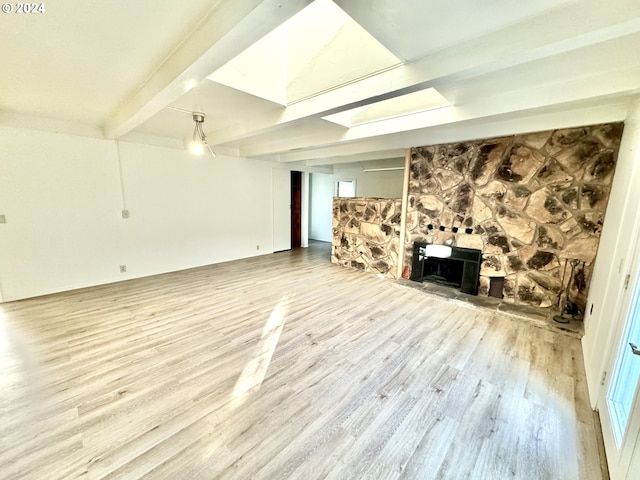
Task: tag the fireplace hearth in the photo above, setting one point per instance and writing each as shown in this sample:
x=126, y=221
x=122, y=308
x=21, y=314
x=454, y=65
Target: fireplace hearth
x=452, y=266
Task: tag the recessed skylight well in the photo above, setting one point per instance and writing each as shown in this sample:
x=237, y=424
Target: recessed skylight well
x=317, y=50
x=411, y=103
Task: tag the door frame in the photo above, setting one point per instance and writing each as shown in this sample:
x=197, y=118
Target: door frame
x=619, y=457
x=296, y=197
x=281, y=195
x=281, y=212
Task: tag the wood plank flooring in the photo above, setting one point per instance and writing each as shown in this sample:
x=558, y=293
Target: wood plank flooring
x=285, y=366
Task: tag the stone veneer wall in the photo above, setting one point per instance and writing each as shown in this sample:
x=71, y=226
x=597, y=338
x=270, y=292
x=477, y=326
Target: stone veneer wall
x=366, y=234
x=529, y=202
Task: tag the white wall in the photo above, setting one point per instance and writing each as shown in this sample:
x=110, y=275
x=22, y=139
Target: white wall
x=321, y=206
x=282, y=209
x=386, y=184
x=187, y=210
x=62, y=200
x=603, y=326
x=60, y=195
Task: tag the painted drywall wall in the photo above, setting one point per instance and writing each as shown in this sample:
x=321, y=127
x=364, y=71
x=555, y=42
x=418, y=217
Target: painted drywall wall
x=320, y=201
x=603, y=325
x=60, y=195
x=187, y=211
x=62, y=199
x=385, y=184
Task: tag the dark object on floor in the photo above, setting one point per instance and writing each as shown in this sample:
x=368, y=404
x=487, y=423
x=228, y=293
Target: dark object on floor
x=568, y=310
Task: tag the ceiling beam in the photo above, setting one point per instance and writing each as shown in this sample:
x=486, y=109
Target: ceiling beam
x=526, y=98
x=556, y=32
x=358, y=157
x=612, y=109
x=228, y=28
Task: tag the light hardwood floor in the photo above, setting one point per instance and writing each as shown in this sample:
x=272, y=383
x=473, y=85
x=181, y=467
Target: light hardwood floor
x=285, y=366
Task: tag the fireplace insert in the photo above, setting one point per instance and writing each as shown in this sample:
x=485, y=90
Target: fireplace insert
x=452, y=266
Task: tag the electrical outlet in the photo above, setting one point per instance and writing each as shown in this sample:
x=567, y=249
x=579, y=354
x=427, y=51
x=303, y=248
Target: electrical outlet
x=125, y=213
x=3, y=219
x=257, y=247
x=123, y=268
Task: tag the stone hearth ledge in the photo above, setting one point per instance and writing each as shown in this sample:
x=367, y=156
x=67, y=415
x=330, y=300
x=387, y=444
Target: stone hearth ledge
x=536, y=316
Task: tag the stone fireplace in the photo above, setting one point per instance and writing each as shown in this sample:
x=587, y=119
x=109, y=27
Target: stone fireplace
x=533, y=204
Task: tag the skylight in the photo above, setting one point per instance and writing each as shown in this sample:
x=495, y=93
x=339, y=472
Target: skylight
x=416, y=102
x=319, y=49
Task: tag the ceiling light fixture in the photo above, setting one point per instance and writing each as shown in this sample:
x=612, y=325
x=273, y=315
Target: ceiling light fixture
x=199, y=138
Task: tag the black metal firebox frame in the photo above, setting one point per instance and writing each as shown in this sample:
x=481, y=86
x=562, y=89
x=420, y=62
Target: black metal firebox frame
x=463, y=266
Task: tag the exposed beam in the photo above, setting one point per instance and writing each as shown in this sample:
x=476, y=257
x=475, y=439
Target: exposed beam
x=556, y=32
x=228, y=28
x=566, y=115
x=525, y=98
x=360, y=157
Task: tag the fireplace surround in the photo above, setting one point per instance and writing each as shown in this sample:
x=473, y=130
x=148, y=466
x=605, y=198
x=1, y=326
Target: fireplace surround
x=447, y=265
x=530, y=202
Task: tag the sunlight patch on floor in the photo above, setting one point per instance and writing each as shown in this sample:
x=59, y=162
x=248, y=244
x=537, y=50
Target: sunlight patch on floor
x=255, y=371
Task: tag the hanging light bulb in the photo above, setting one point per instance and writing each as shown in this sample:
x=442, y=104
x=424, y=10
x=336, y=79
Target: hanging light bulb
x=196, y=147
x=199, y=138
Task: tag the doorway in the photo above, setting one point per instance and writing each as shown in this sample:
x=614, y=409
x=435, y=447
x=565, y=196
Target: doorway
x=296, y=209
x=620, y=405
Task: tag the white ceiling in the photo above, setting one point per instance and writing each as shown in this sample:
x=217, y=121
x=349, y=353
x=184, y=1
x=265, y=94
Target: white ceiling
x=134, y=71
